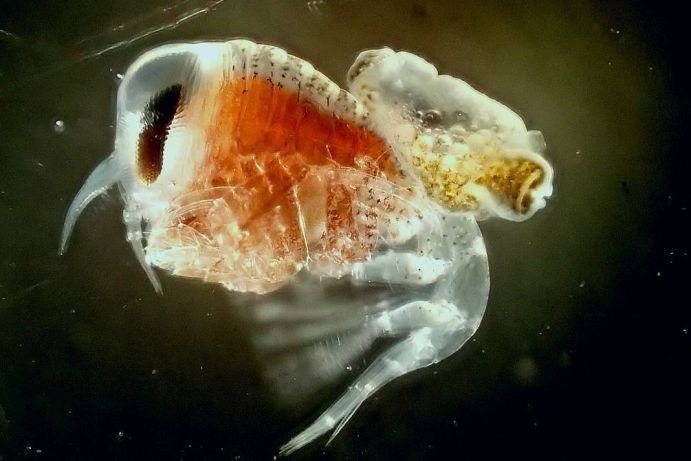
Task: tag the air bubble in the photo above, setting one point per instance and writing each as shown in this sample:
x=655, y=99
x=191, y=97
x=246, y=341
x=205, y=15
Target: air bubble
x=432, y=118
x=460, y=116
x=59, y=126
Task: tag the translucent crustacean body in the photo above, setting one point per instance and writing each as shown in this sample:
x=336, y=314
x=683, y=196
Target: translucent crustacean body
x=242, y=165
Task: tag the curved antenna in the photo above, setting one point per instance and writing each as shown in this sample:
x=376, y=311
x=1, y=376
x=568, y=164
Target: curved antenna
x=101, y=179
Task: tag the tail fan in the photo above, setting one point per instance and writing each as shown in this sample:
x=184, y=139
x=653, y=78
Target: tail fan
x=310, y=334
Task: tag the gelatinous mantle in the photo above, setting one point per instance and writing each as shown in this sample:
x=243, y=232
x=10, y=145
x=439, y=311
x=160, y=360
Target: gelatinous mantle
x=471, y=153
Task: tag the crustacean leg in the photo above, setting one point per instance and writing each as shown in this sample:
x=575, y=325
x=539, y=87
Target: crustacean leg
x=133, y=225
x=428, y=330
x=104, y=176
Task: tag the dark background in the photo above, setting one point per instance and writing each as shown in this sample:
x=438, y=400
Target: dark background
x=584, y=349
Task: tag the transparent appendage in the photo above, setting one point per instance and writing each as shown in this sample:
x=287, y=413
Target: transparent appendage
x=101, y=179
x=133, y=225
x=427, y=329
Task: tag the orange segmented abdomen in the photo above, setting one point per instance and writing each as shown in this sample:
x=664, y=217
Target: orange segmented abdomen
x=283, y=156
x=262, y=118
x=256, y=103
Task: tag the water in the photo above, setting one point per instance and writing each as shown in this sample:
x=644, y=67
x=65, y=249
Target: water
x=583, y=342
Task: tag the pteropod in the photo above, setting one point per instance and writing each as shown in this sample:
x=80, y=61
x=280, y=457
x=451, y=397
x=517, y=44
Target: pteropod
x=242, y=165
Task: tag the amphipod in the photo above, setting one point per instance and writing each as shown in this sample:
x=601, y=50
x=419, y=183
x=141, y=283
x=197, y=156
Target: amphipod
x=242, y=165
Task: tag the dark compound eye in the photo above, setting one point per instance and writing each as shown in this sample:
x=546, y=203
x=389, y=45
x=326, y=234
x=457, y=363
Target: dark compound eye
x=157, y=118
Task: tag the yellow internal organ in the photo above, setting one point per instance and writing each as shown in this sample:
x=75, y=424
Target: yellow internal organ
x=451, y=179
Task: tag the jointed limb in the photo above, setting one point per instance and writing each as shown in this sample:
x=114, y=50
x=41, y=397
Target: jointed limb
x=429, y=330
